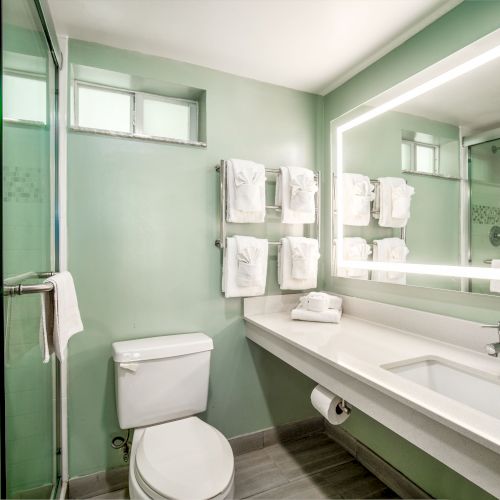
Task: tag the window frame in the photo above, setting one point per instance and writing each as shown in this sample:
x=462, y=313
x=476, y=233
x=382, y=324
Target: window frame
x=29, y=76
x=413, y=157
x=137, y=114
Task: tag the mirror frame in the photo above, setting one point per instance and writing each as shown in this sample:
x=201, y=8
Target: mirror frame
x=473, y=56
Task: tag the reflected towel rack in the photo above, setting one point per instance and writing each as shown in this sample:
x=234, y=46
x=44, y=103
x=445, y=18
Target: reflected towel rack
x=14, y=286
x=487, y=261
x=221, y=241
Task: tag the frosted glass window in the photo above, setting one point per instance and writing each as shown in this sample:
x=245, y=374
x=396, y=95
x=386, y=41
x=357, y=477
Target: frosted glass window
x=104, y=109
x=25, y=98
x=406, y=156
x=168, y=119
x=424, y=158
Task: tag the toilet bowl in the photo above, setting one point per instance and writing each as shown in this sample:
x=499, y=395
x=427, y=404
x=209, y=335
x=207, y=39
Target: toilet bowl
x=161, y=383
x=186, y=458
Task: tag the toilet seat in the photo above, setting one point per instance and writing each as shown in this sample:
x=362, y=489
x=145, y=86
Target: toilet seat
x=186, y=458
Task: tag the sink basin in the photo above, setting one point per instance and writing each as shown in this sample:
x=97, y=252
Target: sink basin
x=476, y=389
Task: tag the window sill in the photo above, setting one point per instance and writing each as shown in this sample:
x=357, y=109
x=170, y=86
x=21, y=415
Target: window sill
x=141, y=137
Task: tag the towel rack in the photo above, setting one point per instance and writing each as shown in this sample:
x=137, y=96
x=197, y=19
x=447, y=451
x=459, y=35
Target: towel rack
x=14, y=286
x=222, y=169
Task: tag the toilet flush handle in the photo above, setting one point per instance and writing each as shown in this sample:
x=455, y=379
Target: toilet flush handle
x=131, y=367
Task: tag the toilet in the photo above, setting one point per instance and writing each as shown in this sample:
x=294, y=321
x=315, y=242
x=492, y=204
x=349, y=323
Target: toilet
x=161, y=383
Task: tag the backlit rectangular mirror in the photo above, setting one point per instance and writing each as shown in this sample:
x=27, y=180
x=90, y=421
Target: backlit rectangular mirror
x=416, y=178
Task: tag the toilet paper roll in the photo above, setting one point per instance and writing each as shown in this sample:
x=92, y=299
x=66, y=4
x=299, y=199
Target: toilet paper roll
x=328, y=404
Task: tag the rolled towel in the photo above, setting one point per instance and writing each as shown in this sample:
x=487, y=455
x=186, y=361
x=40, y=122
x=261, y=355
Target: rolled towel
x=495, y=284
x=328, y=316
x=295, y=191
x=320, y=301
x=246, y=197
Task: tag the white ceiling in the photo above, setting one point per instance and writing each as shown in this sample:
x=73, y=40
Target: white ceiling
x=310, y=45
x=472, y=101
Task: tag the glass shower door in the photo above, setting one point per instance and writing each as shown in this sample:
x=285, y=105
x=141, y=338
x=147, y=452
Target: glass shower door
x=484, y=174
x=28, y=159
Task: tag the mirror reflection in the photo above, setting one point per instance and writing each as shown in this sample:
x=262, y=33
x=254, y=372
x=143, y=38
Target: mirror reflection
x=421, y=184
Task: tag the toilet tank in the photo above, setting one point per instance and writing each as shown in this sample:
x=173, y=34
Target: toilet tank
x=161, y=378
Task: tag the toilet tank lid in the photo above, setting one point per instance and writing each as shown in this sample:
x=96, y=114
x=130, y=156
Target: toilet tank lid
x=166, y=346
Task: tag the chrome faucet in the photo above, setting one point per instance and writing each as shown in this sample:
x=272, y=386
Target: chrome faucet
x=494, y=348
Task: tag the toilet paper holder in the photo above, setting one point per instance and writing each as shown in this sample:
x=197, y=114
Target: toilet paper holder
x=343, y=407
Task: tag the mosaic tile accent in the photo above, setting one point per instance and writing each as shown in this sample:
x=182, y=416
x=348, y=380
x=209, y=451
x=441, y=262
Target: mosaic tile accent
x=483, y=214
x=22, y=185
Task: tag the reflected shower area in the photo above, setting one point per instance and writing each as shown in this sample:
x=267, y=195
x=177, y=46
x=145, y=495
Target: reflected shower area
x=484, y=176
x=30, y=438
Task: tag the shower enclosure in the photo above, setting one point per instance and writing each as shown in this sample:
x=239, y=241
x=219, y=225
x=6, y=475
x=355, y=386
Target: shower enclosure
x=484, y=178
x=30, y=428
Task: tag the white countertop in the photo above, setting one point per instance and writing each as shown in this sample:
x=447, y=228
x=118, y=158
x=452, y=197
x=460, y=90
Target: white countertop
x=360, y=348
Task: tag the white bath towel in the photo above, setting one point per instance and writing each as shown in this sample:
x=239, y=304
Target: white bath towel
x=390, y=250
x=295, y=194
x=354, y=249
x=394, y=202
x=60, y=318
x=358, y=195
x=246, y=191
x=320, y=301
x=495, y=284
x=328, y=316
x=298, y=263
x=244, y=268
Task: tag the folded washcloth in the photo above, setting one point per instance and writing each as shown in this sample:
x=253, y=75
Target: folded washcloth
x=394, y=202
x=354, y=249
x=295, y=190
x=244, y=268
x=495, y=284
x=246, y=196
x=320, y=301
x=60, y=318
x=298, y=263
x=358, y=195
x=328, y=316
x=390, y=250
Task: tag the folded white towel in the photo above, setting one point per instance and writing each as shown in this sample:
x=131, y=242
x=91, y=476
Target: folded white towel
x=244, y=268
x=495, y=284
x=298, y=263
x=295, y=191
x=390, y=250
x=358, y=195
x=354, y=249
x=328, y=316
x=320, y=301
x=60, y=318
x=394, y=202
x=246, y=191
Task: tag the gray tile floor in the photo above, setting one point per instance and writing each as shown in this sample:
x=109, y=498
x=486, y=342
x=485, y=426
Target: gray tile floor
x=312, y=467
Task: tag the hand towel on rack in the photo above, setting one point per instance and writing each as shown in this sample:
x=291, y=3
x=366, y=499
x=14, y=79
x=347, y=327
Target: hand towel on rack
x=390, y=250
x=394, y=202
x=354, y=249
x=60, y=316
x=244, y=268
x=358, y=195
x=295, y=192
x=298, y=263
x=495, y=284
x=246, y=196
x=328, y=316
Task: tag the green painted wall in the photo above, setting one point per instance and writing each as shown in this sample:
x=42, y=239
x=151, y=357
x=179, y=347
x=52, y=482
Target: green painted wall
x=142, y=225
x=464, y=24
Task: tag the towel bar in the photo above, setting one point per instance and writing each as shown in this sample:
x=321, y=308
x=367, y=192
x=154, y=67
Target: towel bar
x=221, y=241
x=13, y=286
